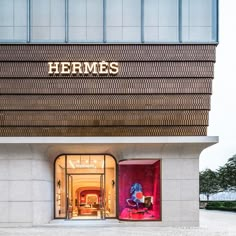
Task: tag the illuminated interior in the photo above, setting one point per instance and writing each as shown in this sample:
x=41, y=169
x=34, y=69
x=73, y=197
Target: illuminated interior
x=139, y=190
x=85, y=187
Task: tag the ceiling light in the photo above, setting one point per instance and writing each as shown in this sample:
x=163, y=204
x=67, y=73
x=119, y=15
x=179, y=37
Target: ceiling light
x=72, y=164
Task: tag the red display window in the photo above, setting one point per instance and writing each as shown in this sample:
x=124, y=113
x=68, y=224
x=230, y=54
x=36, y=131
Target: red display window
x=139, y=190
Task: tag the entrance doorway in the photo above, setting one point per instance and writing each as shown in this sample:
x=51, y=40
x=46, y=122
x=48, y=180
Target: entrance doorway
x=86, y=196
x=85, y=187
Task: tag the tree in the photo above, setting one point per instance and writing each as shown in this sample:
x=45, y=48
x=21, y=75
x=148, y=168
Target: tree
x=208, y=183
x=227, y=175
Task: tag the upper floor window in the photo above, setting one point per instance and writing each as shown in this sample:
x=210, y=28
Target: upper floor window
x=109, y=21
x=13, y=20
x=47, y=20
x=85, y=21
x=161, y=21
x=199, y=20
x=123, y=21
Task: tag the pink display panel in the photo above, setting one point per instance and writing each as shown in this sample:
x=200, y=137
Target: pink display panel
x=139, y=190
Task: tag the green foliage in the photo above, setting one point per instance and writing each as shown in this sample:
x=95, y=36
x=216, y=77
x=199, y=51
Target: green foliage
x=229, y=204
x=224, y=179
x=214, y=205
x=208, y=182
x=221, y=205
x=227, y=175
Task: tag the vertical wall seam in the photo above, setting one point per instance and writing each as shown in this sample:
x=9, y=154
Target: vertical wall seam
x=180, y=20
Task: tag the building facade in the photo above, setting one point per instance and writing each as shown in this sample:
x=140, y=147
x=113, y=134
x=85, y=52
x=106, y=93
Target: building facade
x=104, y=109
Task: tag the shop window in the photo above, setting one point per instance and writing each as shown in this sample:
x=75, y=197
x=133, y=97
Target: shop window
x=199, y=20
x=60, y=188
x=48, y=20
x=13, y=20
x=139, y=190
x=85, y=20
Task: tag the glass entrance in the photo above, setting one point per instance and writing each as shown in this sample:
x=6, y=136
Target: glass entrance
x=85, y=202
x=85, y=187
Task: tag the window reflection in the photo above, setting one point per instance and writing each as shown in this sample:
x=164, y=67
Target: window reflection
x=161, y=20
x=123, y=20
x=199, y=20
x=85, y=20
x=108, y=21
x=47, y=20
x=13, y=20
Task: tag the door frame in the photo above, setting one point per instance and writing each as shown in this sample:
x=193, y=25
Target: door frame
x=102, y=191
x=116, y=181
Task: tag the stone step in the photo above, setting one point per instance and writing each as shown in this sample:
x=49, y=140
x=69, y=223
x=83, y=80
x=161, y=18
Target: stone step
x=83, y=223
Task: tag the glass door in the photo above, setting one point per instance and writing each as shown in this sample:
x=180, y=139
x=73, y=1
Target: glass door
x=85, y=187
x=102, y=198
x=85, y=196
x=69, y=196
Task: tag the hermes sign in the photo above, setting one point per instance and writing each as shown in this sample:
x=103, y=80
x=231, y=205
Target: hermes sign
x=83, y=68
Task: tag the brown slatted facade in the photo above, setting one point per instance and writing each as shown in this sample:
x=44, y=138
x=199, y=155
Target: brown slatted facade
x=160, y=90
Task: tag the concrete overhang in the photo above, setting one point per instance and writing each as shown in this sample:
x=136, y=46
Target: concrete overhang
x=113, y=140
x=120, y=147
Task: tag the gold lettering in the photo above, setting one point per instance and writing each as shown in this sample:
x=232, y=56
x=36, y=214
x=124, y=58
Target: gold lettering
x=103, y=70
x=65, y=68
x=76, y=67
x=92, y=68
x=53, y=68
x=114, y=68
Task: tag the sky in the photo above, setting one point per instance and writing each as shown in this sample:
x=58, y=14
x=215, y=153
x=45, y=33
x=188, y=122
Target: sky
x=223, y=101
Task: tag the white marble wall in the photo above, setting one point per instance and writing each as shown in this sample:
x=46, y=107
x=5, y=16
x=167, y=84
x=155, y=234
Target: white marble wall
x=26, y=178
x=180, y=192
x=26, y=187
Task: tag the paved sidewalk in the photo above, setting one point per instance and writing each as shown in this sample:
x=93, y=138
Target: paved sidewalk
x=212, y=223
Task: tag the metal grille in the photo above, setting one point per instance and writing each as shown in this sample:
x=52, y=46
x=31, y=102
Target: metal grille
x=104, y=131
x=105, y=86
x=161, y=90
x=103, y=118
x=105, y=102
x=126, y=69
